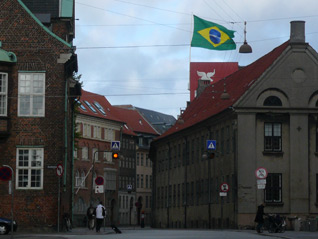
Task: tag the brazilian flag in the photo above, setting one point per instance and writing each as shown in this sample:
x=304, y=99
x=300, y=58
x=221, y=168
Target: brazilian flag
x=212, y=36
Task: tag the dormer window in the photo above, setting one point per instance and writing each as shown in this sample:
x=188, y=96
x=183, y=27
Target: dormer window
x=90, y=106
x=272, y=101
x=100, y=108
x=3, y=94
x=140, y=122
x=81, y=105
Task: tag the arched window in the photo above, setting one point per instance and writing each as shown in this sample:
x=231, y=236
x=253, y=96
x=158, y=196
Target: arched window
x=272, y=101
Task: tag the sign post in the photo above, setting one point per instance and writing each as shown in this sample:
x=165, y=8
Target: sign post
x=59, y=173
x=224, y=187
x=261, y=175
x=6, y=174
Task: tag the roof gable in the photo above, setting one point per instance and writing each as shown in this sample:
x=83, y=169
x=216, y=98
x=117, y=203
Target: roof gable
x=42, y=26
x=135, y=121
x=209, y=103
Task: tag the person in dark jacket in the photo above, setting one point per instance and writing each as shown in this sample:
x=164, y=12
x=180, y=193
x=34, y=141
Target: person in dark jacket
x=259, y=219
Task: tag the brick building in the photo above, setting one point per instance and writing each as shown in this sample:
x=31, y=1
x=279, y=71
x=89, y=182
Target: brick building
x=37, y=91
x=98, y=125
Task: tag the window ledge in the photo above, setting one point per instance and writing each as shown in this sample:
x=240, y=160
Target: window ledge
x=274, y=204
x=281, y=153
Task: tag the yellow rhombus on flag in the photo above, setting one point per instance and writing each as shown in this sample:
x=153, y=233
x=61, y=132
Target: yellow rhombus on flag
x=212, y=36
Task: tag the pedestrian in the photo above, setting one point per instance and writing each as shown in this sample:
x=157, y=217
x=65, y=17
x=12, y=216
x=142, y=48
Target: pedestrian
x=100, y=214
x=91, y=217
x=142, y=221
x=259, y=219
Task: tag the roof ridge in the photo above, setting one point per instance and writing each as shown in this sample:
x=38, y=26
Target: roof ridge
x=209, y=102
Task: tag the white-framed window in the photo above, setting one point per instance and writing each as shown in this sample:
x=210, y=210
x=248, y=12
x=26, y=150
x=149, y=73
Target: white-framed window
x=83, y=182
x=108, y=156
x=75, y=153
x=84, y=153
x=3, y=94
x=95, y=154
x=80, y=179
x=29, y=168
x=110, y=180
x=97, y=132
x=87, y=130
x=31, y=99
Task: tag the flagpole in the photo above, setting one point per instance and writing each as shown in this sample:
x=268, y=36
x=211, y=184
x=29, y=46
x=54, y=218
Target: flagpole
x=191, y=35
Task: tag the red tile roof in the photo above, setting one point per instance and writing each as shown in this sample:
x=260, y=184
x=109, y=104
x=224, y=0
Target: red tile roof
x=107, y=108
x=209, y=103
x=134, y=121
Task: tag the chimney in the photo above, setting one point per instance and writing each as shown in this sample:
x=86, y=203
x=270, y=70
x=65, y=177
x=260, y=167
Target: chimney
x=297, y=32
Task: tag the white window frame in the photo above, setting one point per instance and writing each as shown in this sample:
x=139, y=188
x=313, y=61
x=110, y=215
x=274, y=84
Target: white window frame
x=28, y=167
x=85, y=153
x=3, y=94
x=96, y=155
x=29, y=89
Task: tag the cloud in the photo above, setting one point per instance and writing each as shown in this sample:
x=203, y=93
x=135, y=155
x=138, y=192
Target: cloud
x=158, y=70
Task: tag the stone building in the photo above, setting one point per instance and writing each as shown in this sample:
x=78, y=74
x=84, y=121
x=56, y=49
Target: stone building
x=262, y=116
x=37, y=93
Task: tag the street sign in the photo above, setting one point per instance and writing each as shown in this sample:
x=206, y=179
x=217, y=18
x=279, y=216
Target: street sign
x=129, y=187
x=224, y=187
x=59, y=170
x=99, y=180
x=5, y=174
x=99, y=189
x=223, y=194
x=261, y=186
x=211, y=144
x=115, y=145
x=261, y=183
x=261, y=173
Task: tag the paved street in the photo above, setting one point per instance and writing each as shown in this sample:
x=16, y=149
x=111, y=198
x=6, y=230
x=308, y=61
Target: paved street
x=147, y=233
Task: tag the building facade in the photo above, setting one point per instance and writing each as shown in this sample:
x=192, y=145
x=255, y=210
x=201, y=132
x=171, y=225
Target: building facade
x=261, y=116
x=36, y=107
x=97, y=126
x=143, y=134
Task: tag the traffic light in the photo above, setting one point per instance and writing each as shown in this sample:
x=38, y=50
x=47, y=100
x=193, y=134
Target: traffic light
x=115, y=155
x=212, y=155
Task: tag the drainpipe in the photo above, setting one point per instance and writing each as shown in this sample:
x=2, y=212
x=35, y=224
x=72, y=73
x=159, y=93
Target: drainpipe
x=72, y=164
x=65, y=136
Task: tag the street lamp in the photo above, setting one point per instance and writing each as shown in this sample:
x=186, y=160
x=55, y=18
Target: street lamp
x=245, y=48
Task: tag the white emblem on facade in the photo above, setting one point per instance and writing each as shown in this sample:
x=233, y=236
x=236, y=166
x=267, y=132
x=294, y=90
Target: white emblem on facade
x=206, y=76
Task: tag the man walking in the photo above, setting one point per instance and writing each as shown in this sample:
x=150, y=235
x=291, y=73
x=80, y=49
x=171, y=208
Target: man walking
x=100, y=214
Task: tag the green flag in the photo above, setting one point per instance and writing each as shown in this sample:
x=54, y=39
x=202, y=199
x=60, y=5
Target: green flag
x=212, y=36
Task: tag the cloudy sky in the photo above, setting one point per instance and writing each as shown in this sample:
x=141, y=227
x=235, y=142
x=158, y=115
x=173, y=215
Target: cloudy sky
x=138, y=51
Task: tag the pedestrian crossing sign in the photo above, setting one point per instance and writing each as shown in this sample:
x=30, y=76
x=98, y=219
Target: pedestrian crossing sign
x=211, y=144
x=115, y=145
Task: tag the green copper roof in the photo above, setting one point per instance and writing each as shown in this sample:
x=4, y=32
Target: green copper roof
x=66, y=8
x=7, y=56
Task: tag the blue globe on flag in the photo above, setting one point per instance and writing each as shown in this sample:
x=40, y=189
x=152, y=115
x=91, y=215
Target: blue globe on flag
x=215, y=36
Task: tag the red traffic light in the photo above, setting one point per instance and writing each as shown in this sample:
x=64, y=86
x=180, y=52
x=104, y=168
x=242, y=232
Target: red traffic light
x=115, y=155
x=212, y=155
